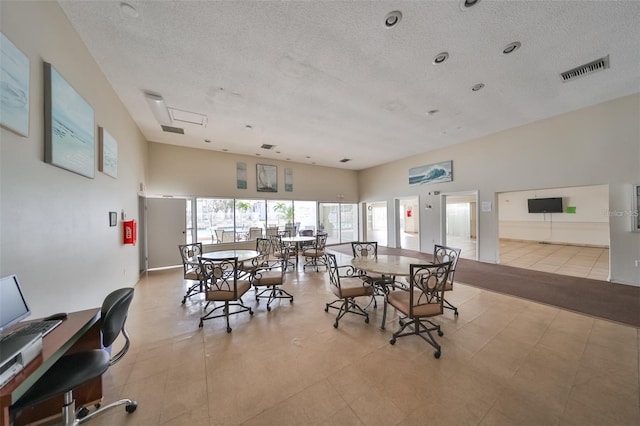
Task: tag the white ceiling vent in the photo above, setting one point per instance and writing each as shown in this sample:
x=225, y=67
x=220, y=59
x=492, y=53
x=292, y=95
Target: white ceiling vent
x=188, y=117
x=582, y=70
x=267, y=146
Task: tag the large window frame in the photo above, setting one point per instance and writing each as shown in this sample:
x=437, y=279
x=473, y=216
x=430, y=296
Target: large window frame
x=230, y=220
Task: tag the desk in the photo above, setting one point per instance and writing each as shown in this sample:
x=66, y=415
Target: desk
x=298, y=241
x=80, y=331
x=387, y=265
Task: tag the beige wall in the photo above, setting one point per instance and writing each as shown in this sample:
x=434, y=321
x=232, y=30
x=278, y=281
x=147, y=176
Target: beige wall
x=181, y=171
x=599, y=145
x=54, y=231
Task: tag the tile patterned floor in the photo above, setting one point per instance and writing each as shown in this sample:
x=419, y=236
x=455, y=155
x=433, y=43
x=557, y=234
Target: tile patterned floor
x=584, y=262
x=505, y=361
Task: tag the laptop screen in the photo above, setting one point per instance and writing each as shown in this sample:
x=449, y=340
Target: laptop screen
x=13, y=306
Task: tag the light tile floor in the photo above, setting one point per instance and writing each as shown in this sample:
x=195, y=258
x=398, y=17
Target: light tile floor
x=578, y=261
x=505, y=361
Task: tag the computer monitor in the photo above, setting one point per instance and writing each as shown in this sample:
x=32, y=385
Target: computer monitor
x=13, y=305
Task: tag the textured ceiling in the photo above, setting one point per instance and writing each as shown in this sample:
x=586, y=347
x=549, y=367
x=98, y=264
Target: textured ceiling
x=326, y=80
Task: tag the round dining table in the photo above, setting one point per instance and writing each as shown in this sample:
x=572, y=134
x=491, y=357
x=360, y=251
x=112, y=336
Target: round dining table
x=299, y=241
x=389, y=266
x=242, y=255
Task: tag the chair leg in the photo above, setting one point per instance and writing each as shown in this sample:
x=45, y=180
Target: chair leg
x=448, y=305
x=347, y=305
x=275, y=292
x=419, y=328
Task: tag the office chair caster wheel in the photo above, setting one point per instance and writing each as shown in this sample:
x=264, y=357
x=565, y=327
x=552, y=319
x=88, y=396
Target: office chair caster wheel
x=228, y=329
x=335, y=324
x=366, y=320
x=326, y=308
x=291, y=300
x=250, y=312
x=436, y=355
x=269, y=308
x=200, y=325
x=392, y=341
x=130, y=408
x=440, y=333
x=455, y=313
x=84, y=412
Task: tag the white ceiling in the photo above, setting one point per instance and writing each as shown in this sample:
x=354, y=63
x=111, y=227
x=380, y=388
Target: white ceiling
x=326, y=80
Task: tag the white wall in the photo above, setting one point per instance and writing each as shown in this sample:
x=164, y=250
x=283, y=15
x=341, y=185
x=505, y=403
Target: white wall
x=54, y=229
x=182, y=171
x=589, y=225
x=599, y=145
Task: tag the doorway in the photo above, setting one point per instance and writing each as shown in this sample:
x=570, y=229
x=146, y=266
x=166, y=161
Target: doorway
x=376, y=222
x=166, y=225
x=408, y=224
x=460, y=224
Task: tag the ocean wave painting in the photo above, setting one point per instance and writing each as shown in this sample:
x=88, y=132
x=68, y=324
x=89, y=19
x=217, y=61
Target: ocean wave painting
x=432, y=173
x=70, y=133
x=14, y=88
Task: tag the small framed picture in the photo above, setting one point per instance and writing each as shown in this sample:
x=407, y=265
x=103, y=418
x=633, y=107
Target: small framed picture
x=113, y=218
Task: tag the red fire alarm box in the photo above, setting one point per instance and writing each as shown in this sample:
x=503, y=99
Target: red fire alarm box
x=129, y=227
x=409, y=213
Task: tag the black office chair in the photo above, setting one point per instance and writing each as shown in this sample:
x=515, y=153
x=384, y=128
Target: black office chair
x=73, y=370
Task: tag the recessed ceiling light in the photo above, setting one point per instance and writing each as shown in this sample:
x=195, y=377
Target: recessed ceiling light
x=288, y=159
x=466, y=4
x=307, y=156
x=207, y=140
x=129, y=10
x=433, y=111
x=392, y=19
x=440, y=58
x=477, y=87
x=257, y=155
x=224, y=150
x=248, y=126
x=511, y=47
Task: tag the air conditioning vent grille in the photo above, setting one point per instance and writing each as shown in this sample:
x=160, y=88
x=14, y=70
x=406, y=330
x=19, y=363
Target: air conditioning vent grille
x=171, y=129
x=267, y=146
x=582, y=70
x=344, y=160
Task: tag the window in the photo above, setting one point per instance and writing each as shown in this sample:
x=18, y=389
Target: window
x=340, y=221
x=227, y=220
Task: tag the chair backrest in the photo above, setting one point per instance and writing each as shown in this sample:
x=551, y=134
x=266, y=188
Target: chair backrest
x=219, y=235
x=272, y=230
x=276, y=243
x=291, y=229
x=306, y=233
x=321, y=241
x=332, y=269
x=255, y=233
x=189, y=254
x=228, y=236
x=221, y=277
x=442, y=254
x=113, y=316
x=263, y=246
x=365, y=249
x=426, y=288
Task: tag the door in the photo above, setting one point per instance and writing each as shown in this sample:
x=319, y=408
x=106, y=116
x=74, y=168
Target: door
x=408, y=214
x=166, y=229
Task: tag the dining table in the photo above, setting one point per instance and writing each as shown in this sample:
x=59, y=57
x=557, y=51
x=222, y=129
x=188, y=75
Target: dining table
x=389, y=266
x=298, y=241
x=242, y=255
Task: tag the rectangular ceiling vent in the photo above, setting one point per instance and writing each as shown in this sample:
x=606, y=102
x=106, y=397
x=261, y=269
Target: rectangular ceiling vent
x=188, y=117
x=344, y=160
x=267, y=146
x=582, y=70
x=171, y=129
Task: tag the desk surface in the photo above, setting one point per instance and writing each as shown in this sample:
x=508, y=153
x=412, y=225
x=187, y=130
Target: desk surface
x=387, y=264
x=242, y=255
x=54, y=345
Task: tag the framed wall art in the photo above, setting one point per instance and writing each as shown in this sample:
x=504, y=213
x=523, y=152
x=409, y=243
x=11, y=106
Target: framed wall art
x=108, y=148
x=431, y=173
x=266, y=178
x=288, y=179
x=69, y=133
x=14, y=88
x=241, y=175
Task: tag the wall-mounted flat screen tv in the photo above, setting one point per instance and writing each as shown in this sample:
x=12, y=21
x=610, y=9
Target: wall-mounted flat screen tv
x=545, y=205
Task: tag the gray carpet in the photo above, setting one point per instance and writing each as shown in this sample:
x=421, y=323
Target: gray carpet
x=602, y=299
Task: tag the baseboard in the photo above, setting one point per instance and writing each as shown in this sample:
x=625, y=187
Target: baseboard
x=555, y=243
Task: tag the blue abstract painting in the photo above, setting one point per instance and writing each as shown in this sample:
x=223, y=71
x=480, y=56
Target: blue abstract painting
x=14, y=88
x=69, y=126
x=432, y=173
